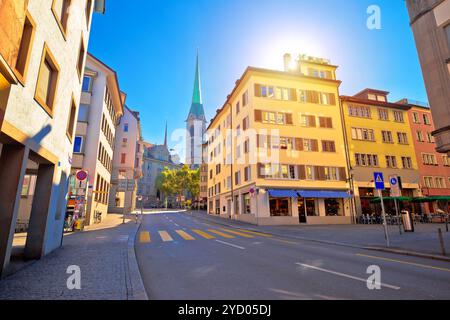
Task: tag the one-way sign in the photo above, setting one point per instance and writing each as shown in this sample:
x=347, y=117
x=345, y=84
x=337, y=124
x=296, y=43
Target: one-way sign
x=379, y=180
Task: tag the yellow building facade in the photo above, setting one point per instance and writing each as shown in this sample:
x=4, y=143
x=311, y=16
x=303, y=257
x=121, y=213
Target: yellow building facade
x=276, y=151
x=379, y=140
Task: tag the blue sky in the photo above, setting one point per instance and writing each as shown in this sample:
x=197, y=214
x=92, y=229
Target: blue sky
x=152, y=45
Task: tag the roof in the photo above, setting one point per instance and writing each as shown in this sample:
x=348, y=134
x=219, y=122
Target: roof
x=283, y=74
x=375, y=103
x=197, y=111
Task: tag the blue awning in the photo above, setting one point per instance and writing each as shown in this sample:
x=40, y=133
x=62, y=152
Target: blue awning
x=283, y=193
x=323, y=194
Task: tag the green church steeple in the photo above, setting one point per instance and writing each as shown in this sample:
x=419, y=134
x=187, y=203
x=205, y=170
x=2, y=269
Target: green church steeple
x=197, y=111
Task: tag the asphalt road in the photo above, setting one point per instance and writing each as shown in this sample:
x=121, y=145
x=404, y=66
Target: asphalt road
x=189, y=258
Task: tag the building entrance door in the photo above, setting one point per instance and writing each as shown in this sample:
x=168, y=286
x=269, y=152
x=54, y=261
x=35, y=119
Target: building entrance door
x=302, y=210
x=229, y=207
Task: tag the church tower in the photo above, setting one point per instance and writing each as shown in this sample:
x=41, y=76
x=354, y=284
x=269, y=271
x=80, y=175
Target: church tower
x=195, y=124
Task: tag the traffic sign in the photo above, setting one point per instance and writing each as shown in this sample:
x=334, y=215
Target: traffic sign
x=81, y=175
x=379, y=180
x=395, y=186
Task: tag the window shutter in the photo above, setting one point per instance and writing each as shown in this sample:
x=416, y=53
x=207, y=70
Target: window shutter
x=289, y=118
x=342, y=174
x=315, y=145
x=257, y=90
x=316, y=173
x=293, y=95
x=312, y=121
x=301, y=172
x=260, y=175
x=314, y=97
x=244, y=124
x=299, y=144
x=322, y=122
x=329, y=122
x=332, y=99
x=258, y=116
x=309, y=96
x=329, y=74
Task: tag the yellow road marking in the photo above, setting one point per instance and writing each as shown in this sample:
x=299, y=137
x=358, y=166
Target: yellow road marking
x=227, y=236
x=257, y=233
x=404, y=262
x=283, y=241
x=203, y=234
x=237, y=233
x=165, y=236
x=144, y=237
x=185, y=235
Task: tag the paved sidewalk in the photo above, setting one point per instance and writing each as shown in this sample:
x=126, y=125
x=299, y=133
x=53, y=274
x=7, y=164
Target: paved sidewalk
x=424, y=240
x=105, y=255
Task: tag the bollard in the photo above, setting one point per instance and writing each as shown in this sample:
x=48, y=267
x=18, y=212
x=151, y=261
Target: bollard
x=441, y=240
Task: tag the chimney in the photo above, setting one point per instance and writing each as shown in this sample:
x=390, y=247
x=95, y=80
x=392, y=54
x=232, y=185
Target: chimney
x=287, y=62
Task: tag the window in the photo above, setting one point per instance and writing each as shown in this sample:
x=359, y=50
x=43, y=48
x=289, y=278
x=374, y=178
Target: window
x=359, y=111
x=47, y=81
x=387, y=136
x=326, y=122
x=25, y=47
x=407, y=163
x=430, y=137
x=391, y=162
x=428, y=181
x=416, y=118
x=245, y=99
x=88, y=12
x=245, y=123
x=363, y=134
x=87, y=84
x=440, y=182
x=238, y=108
x=309, y=173
x=328, y=146
x=308, y=121
x=78, y=144
x=81, y=55
x=398, y=116
x=125, y=127
x=331, y=173
x=310, y=145
x=72, y=120
x=123, y=158
x=366, y=160
x=248, y=173
x=383, y=114
x=247, y=146
x=276, y=118
x=237, y=178
x=60, y=9
x=402, y=137
x=429, y=159
x=333, y=207
x=446, y=161
x=426, y=119
x=419, y=136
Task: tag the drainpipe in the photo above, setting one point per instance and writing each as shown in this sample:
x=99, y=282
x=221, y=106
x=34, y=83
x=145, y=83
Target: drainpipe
x=232, y=162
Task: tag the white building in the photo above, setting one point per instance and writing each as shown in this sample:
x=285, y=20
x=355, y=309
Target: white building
x=43, y=46
x=127, y=163
x=100, y=110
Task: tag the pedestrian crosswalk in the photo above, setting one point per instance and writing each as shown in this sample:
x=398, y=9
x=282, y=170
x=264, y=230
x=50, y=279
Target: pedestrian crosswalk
x=145, y=236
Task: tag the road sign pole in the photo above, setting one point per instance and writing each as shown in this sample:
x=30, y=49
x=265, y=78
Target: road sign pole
x=398, y=217
x=380, y=192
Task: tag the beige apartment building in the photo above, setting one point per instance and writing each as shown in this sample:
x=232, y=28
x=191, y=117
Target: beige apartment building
x=127, y=163
x=101, y=108
x=430, y=22
x=42, y=55
x=276, y=150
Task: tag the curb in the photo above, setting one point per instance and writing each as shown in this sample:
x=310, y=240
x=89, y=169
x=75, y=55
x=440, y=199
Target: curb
x=137, y=289
x=342, y=244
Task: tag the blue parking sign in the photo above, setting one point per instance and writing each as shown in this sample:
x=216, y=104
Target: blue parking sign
x=379, y=180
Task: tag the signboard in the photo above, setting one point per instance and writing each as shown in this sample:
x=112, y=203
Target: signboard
x=122, y=185
x=81, y=175
x=379, y=180
x=395, y=186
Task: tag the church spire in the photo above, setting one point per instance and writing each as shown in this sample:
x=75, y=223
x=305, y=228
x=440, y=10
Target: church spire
x=165, y=136
x=197, y=111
